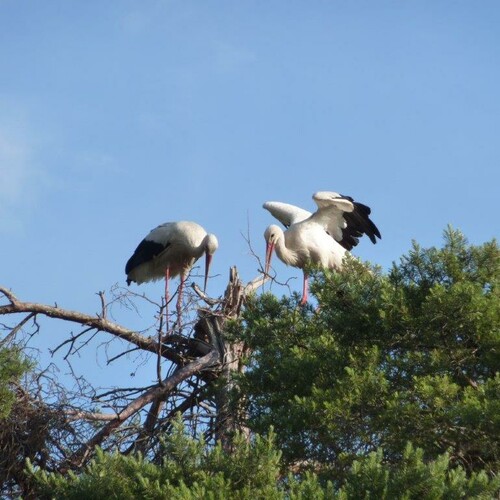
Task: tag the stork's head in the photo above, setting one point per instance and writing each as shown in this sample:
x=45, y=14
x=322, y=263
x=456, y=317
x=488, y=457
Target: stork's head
x=271, y=235
x=211, y=245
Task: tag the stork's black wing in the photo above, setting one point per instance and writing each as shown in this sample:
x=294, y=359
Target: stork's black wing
x=358, y=223
x=146, y=251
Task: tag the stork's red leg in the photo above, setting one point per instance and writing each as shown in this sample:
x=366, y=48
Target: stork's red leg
x=179, y=299
x=167, y=297
x=305, y=290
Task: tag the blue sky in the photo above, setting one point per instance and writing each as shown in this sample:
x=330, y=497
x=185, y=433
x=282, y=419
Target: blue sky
x=117, y=116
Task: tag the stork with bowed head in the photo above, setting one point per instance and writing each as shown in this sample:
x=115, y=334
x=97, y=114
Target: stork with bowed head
x=169, y=250
x=321, y=238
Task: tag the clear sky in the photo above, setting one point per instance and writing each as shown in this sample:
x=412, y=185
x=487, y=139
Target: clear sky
x=117, y=116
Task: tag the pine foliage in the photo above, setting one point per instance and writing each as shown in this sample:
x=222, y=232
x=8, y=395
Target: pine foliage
x=12, y=367
x=192, y=470
x=383, y=361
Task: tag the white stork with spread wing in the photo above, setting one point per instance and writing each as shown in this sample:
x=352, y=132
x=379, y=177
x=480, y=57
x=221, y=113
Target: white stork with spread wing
x=321, y=238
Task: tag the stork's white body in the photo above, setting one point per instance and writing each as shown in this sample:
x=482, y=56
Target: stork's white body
x=307, y=242
x=169, y=250
x=321, y=238
x=180, y=245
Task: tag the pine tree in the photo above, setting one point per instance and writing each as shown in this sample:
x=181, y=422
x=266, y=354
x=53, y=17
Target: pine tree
x=192, y=470
x=13, y=366
x=383, y=361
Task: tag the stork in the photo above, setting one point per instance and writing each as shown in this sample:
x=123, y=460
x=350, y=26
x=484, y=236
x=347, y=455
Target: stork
x=321, y=238
x=169, y=250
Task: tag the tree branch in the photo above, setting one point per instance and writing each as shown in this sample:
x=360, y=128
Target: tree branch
x=96, y=322
x=12, y=298
x=16, y=329
x=156, y=392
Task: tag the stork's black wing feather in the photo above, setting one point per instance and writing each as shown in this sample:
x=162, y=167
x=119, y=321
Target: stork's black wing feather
x=147, y=250
x=358, y=223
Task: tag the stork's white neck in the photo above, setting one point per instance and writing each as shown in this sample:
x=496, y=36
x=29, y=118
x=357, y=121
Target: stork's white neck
x=287, y=255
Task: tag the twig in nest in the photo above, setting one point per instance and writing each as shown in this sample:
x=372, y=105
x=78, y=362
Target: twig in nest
x=208, y=300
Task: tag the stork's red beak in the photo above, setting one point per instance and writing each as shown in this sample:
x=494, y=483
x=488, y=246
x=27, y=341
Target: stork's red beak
x=208, y=261
x=269, y=254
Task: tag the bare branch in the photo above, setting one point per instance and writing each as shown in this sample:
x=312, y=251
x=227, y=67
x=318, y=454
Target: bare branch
x=133, y=418
x=256, y=283
x=124, y=353
x=12, y=298
x=16, y=329
x=103, y=304
x=70, y=341
x=96, y=322
x=208, y=300
x=89, y=415
x=157, y=391
x=140, y=442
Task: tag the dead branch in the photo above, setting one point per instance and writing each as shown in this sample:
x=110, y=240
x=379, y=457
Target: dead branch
x=89, y=415
x=103, y=304
x=16, y=329
x=12, y=298
x=256, y=283
x=140, y=443
x=208, y=300
x=124, y=353
x=199, y=359
x=157, y=391
x=94, y=322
